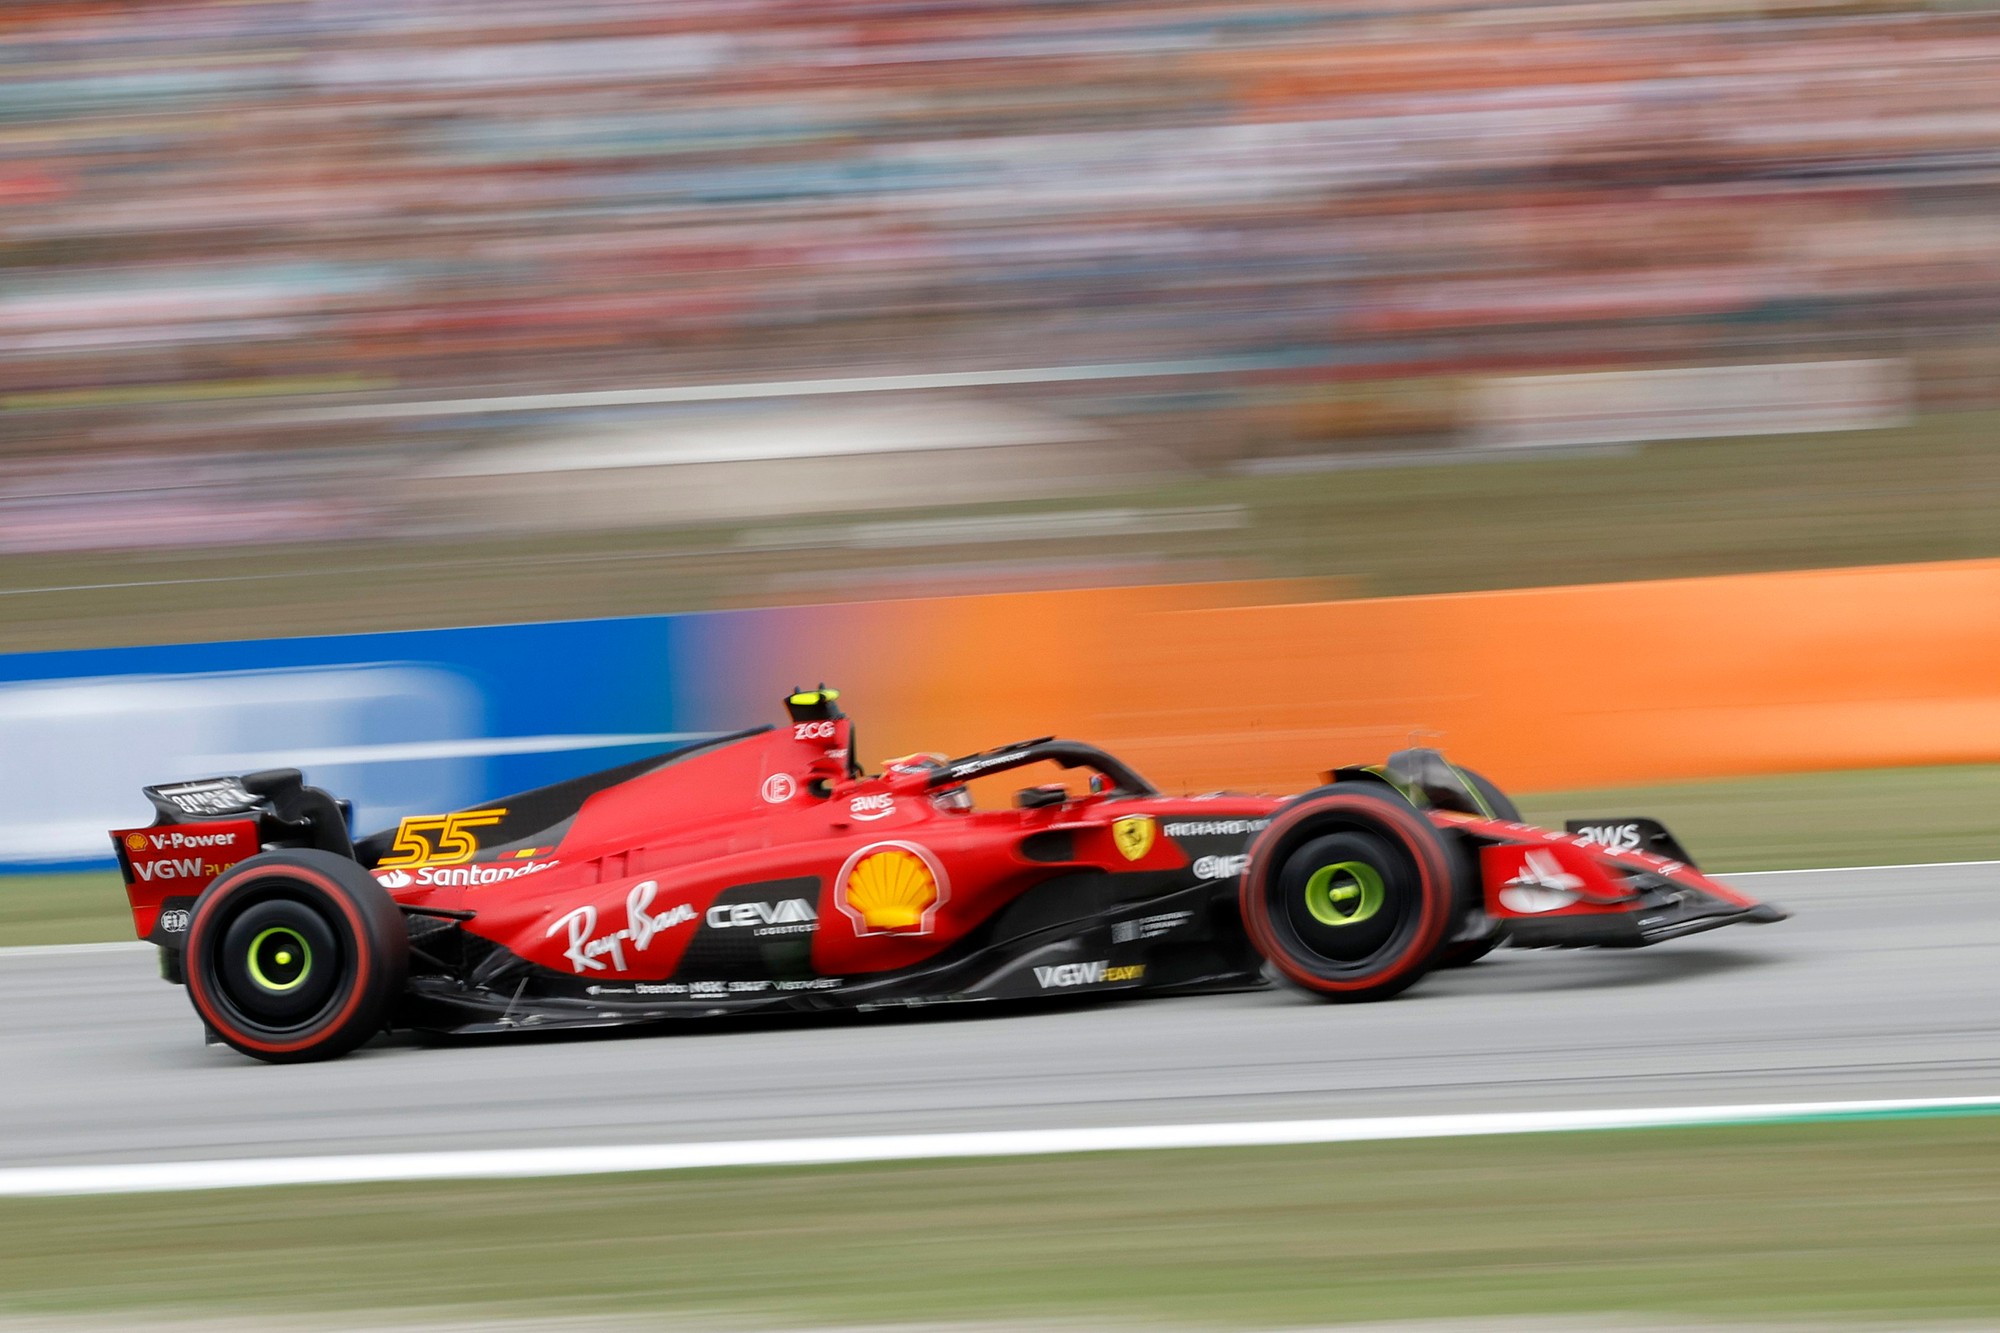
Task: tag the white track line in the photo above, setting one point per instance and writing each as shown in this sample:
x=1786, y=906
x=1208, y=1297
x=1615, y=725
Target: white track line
x=519, y=1163
x=1843, y=870
x=61, y=950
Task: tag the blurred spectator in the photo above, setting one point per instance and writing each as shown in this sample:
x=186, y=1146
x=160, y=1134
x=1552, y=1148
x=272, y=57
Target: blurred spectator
x=209, y=206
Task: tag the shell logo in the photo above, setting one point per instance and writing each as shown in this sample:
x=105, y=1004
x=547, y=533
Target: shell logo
x=136, y=841
x=891, y=888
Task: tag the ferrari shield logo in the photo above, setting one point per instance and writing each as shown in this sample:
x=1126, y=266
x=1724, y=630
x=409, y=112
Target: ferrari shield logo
x=1133, y=836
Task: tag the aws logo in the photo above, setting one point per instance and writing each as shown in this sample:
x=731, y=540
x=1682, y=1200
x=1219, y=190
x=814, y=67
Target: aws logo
x=891, y=888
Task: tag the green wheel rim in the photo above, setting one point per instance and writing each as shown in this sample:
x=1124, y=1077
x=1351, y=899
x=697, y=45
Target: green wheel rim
x=287, y=949
x=1344, y=894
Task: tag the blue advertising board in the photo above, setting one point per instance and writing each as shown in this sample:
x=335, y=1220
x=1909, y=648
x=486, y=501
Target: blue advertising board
x=396, y=722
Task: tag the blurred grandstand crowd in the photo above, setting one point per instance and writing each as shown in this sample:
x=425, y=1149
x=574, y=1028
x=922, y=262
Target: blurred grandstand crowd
x=213, y=214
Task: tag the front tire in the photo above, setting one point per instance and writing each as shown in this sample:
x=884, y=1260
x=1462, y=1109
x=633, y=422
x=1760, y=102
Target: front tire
x=1498, y=802
x=1465, y=952
x=1348, y=894
x=295, y=955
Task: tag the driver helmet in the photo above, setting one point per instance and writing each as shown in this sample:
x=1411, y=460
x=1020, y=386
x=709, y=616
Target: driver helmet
x=954, y=799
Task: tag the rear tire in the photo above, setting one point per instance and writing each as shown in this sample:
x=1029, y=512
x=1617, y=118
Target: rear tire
x=295, y=955
x=1348, y=894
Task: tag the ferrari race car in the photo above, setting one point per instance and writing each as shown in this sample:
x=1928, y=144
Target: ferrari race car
x=765, y=871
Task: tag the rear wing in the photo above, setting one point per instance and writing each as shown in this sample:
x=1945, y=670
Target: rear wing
x=202, y=828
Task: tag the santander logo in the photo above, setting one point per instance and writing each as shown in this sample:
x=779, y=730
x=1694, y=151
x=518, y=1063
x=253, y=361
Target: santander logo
x=460, y=876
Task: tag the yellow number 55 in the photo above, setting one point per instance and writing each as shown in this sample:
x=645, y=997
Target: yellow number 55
x=443, y=840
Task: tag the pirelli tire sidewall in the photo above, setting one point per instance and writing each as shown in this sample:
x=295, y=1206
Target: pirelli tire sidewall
x=322, y=906
x=1407, y=955
x=1454, y=951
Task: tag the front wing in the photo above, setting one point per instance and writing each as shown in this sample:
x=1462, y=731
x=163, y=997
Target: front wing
x=1561, y=890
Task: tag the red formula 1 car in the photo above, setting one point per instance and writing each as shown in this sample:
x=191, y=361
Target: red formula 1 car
x=764, y=870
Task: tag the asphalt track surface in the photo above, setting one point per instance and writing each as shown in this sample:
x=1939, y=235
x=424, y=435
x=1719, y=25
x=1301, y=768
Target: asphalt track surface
x=1886, y=983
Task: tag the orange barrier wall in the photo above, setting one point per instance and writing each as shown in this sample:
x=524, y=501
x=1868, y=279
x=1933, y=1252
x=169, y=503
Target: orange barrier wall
x=1233, y=685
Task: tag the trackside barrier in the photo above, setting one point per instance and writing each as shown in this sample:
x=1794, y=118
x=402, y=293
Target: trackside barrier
x=1200, y=687
x=395, y=722
x=1542, y=688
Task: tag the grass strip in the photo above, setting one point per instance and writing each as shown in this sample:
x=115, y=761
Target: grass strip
x=1896, y=1219
x=63, y=909
x=1801, y=821
x=1926, y=491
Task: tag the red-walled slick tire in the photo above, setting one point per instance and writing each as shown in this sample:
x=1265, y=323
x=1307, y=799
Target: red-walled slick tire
x=295, y=955
x=1348, y=893
x=1471, y=893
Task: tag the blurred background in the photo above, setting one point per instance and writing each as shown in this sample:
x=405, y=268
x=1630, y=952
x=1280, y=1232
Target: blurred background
x=331, y=316
x=1164, y=290
x=448, y=396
